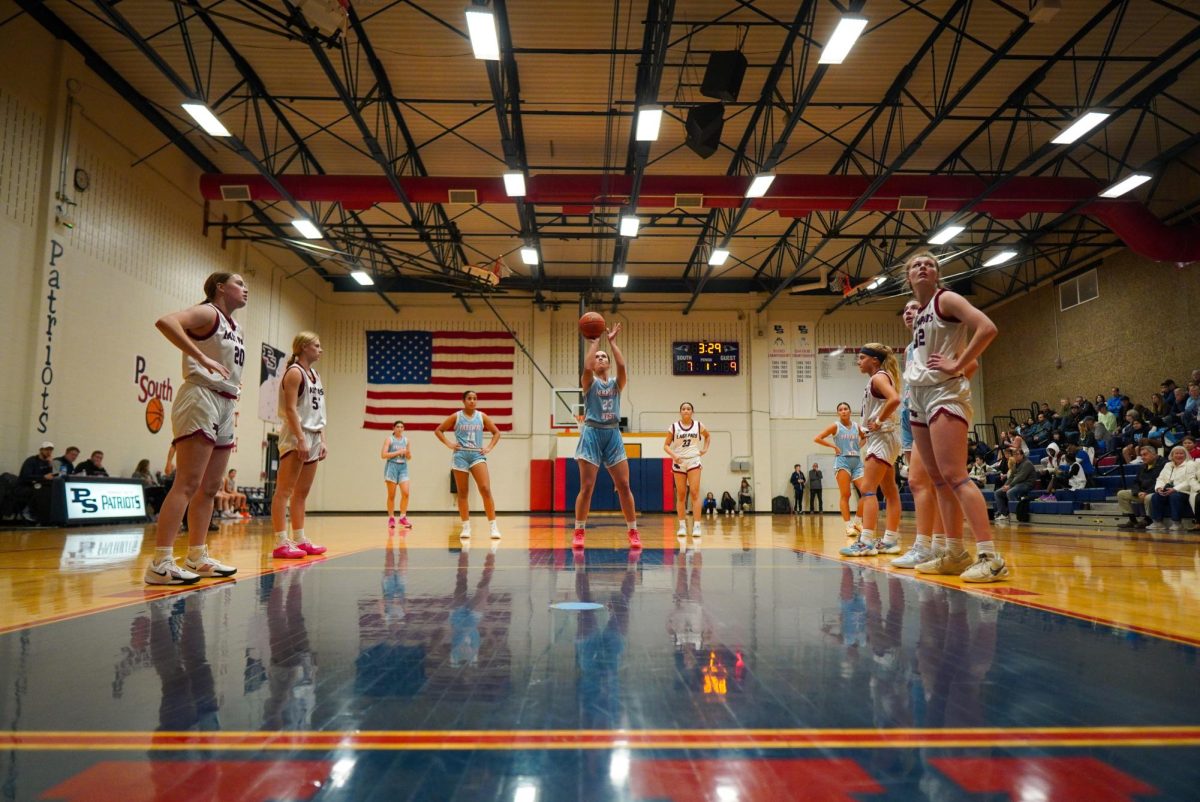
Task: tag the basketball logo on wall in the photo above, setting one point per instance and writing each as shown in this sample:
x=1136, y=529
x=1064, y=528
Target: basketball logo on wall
x=154, y=415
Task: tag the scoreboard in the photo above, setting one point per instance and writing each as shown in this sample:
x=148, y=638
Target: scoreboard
x=705, y=358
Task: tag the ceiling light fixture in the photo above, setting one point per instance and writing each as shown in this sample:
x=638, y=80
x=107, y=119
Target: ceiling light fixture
x=307, y=229
x=481, y=25
x=760, y=185
x=1080, y=127
x=620, y=281
x=718, y=256
x=1121, y=187
x=649, y=118
x=529, y=255
x=514, y=184
x=946, y=234
x=1000, y=258
x=362, y=277
x=629, y=225
x=206, y=119
x=843, y=39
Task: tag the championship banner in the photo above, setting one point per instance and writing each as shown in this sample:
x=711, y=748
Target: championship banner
x=269, y=376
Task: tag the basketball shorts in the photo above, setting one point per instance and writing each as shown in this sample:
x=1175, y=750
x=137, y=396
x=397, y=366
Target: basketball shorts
x=850, y=464
x=600, y=446
x=466, y=459
x=288, y=443
x=906, y=439
x=395, y=472
x=952, y=397
x=199, y=410
x=686, y=465
x=883, y=446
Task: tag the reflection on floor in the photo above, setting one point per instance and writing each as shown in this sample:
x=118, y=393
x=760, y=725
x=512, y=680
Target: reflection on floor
x=752, y=663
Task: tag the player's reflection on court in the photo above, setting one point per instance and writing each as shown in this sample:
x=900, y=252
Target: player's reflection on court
x=690, y=625
x=600, y=645
x=291, y=674
x=391, y=659
x=468, y=611
x=179, y=654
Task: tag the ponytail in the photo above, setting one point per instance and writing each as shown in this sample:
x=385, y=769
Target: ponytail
x=299, y=343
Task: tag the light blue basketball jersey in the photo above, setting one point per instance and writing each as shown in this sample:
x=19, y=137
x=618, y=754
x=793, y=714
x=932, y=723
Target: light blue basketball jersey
x=846, y=439
x=602, y=406
x=468, y=432
x=397, y=444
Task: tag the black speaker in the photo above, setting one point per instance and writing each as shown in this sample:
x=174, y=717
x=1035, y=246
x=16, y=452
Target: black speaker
x=723, y=75
x=704, y=124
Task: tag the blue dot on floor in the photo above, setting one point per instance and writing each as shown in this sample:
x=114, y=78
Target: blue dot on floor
x=576, y=606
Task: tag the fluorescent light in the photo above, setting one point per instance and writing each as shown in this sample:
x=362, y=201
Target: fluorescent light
x=529, y=255
x=1080, y=127
x=718, y=256
x=760, y=185
x=946, y=234
x=877, y=282
x=1121, y=187
x=481, y=24
x=514, y=184
x=1000, y=258
x=629, y=225
x=649, y=118
x=362, y=277
x=620, y=281
x=306, y=228
x=844, y=37
x=206, y=119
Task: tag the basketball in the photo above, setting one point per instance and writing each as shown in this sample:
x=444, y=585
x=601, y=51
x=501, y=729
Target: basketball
x=154, y=415
x=591, y=325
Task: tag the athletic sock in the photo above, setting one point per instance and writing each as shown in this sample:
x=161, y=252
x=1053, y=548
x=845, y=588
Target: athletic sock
x=581, y=524
x=280, y=538
x=163, y=553
x=986, y=546
x=299, y=536
x=939, y=542
x=890, y=538
x=195, y=552
x=954, y=545
x=924, y=542
x=866, y=537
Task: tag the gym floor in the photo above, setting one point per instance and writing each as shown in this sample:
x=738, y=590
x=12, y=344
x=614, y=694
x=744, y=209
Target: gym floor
x=752, y=664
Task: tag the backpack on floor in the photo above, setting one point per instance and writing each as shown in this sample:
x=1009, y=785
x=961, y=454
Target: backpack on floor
x=780, y=505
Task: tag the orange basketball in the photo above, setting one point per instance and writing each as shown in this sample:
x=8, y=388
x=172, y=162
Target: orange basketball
x=154, y=415
x=591, y=325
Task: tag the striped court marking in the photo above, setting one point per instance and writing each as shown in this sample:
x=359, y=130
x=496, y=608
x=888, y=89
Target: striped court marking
x=990, y=591
x=433, y=740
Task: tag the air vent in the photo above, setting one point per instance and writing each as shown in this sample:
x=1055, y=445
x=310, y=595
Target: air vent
x=912, y=203
x=235, y=192
x=469, y=197
x=689, y=201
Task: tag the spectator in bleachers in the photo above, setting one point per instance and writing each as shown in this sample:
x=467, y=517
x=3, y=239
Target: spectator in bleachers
x=1172, y=491
x=1086, y=436
x=1017, y=486
x=65, y=465
x=1133, y=433
x=728, y=505
x=1193, y=450
x=1167, y=391
x=142, y=474
x=1087, y=461
x=1158, y=407
x=1068, y=423
x=1191, y=408
x=710, y=504
x=1140, y=491
x=978, y=472
x=1108, y=420
x=1070, y=475
x=1038, y=432
x=1178, y=404
x=1114, y=401
x=1086, y=408
x=93, y=466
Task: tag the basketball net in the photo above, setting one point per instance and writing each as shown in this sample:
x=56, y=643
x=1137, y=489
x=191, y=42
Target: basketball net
x=846, y=287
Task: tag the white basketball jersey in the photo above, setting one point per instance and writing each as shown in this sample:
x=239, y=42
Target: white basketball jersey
x=933, y=333
x=309, y=400
x=685, y=441
x=222, y=344
x=872, y=405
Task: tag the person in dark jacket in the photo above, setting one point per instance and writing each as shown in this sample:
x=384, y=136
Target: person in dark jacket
x=816, y=503
x=798, y=481
x=1017, y=486
x=1138, y=495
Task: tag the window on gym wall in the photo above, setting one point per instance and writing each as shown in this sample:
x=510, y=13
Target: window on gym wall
x=1078, y=290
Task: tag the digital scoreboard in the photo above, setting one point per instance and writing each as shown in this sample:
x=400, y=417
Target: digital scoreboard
x=705, y=358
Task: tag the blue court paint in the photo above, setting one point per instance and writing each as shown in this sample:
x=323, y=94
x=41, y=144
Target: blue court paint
x=576, y=606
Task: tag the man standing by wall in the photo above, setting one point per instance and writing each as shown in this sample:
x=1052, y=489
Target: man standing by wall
x=815, y=501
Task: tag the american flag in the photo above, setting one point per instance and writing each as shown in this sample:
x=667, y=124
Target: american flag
x=419, y=377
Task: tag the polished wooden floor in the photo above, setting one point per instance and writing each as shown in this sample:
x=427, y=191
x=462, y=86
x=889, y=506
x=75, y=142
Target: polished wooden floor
x=1142, y=581
x=751, y=664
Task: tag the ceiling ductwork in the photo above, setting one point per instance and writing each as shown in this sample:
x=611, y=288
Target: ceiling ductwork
x=790, y=196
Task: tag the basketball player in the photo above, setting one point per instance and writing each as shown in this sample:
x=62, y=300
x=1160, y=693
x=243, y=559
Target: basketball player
x=847, y=466
x=684, y=448
x=881, y=399
x=930, y=535
x=301, y=446
x=600, y=442
x=470, y=459
x=948, y=335
x=202, y=425
x=395, y=472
